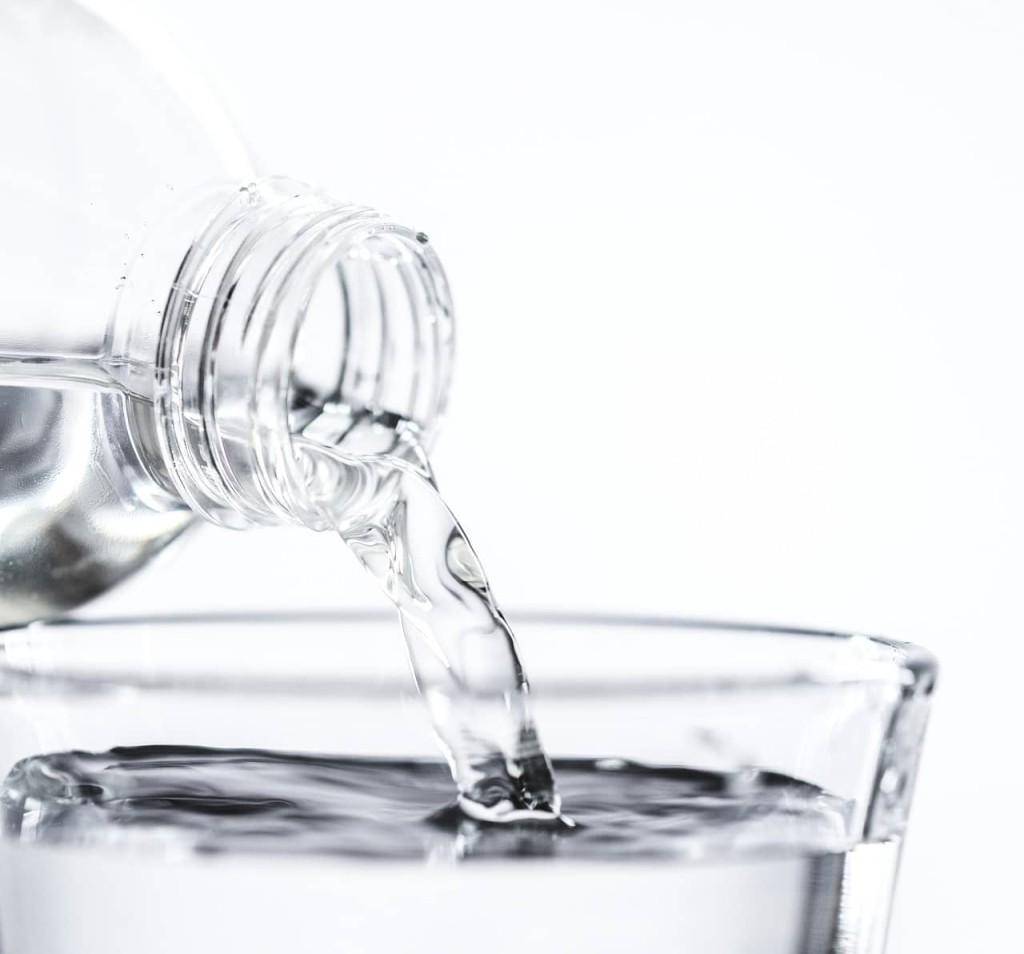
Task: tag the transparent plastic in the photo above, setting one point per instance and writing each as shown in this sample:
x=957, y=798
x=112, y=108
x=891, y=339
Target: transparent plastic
x=170, y=319
x=183, y=863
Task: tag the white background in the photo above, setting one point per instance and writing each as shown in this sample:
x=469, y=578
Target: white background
x=739, y=289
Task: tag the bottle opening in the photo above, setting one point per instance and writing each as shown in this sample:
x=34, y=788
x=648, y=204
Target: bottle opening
x=294, y=316
x=367, y=343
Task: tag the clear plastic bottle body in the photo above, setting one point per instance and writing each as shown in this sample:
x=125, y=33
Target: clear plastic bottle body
x=96, y=147
x=149, y=322
x=99, y=146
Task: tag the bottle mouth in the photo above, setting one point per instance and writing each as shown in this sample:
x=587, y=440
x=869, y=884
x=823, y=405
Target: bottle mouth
x=293, y=318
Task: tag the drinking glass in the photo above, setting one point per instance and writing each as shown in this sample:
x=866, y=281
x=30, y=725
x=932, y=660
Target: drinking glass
x=796, y=750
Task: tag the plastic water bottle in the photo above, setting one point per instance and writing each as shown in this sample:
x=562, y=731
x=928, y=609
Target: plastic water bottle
x=169, y=318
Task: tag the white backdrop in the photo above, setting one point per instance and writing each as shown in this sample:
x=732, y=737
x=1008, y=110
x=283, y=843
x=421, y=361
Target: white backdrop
x=740, y=325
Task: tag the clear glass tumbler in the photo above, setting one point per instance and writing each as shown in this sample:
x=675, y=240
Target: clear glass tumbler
x=212, y=784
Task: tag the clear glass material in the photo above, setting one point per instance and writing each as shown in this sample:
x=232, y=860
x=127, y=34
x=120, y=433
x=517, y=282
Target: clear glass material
x=838, y=719
x=170, y=319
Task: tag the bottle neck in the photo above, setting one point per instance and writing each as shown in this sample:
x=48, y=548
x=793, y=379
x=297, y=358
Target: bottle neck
x=292, y=316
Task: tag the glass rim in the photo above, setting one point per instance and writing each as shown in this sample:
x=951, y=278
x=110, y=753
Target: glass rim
x=881, y=659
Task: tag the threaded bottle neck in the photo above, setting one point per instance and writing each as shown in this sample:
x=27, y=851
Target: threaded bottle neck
x=293, y=314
